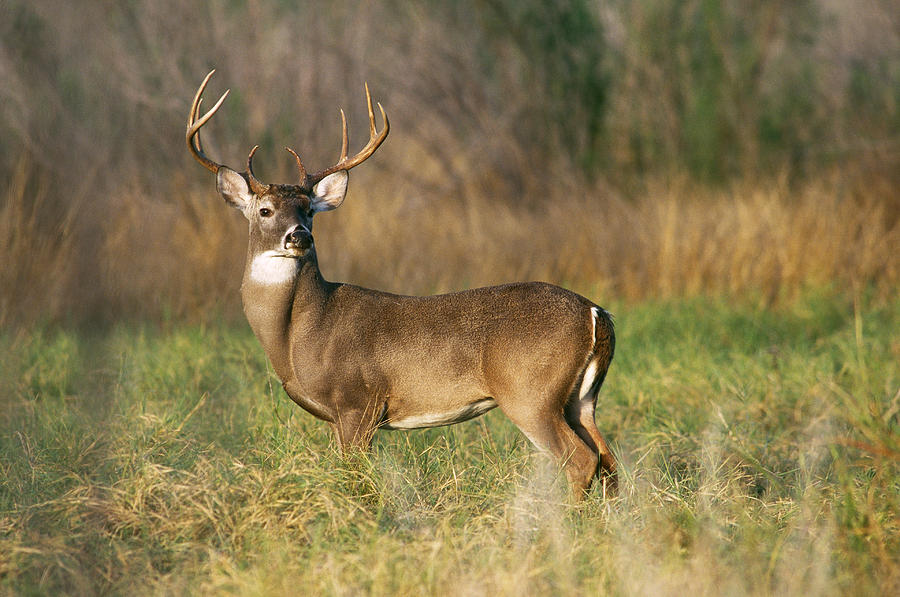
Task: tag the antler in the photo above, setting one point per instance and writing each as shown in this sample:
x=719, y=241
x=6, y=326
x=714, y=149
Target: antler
x=345, y=163
x=255, y=186
x=192, y=136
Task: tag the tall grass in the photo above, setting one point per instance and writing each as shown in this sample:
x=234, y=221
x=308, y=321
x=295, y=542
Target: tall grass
x=766, y=461
x=37, y=244
x=146, y=258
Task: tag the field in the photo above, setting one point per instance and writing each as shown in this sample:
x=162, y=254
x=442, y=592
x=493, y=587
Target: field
x=760, y=456
x=722, y=176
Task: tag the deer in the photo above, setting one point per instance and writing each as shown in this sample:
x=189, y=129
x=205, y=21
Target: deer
x=364, y=360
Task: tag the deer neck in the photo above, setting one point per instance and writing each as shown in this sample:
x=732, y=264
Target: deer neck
x=280, y=294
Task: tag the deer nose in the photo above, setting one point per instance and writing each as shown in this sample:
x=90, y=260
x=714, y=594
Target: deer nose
x=299, y=237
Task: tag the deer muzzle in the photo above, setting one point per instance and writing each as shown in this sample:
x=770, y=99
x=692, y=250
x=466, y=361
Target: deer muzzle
x=298, y=241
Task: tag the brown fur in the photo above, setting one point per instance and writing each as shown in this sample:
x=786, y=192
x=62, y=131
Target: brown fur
x=362, y=359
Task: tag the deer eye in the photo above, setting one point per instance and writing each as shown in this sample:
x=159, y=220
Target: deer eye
x=265, y=212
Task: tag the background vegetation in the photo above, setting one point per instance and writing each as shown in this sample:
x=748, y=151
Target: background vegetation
x=723, y=175
x=661, y=148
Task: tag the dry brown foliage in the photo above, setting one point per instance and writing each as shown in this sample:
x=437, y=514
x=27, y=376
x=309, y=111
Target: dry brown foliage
x=149, y=258
x=491, y=173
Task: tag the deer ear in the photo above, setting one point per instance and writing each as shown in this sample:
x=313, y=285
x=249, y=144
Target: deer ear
x=233, y=188
x=330, y=191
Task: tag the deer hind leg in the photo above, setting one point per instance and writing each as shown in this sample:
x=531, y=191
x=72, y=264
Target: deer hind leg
x=551, y=433
x=579, y=414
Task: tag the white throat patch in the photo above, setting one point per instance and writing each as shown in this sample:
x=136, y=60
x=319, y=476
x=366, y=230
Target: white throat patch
x=272, y=267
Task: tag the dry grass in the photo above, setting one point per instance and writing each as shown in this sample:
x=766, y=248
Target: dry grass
x=37, y=246
x=183, y=258
x=768, y=242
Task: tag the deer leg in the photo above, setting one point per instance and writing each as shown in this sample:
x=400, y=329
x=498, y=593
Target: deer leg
x=551, y=433
x=581, y=420
x=351, y=434
x=354, y=428
x=579, y=415
x=579, y=460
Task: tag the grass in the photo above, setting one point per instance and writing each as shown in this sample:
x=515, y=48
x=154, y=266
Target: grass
x=758, y=431
x=759, y=449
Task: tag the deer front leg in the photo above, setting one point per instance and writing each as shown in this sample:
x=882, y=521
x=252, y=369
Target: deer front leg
x=354, y=427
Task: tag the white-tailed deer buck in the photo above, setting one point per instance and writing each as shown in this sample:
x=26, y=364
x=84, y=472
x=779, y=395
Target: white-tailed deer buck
x=364, y=360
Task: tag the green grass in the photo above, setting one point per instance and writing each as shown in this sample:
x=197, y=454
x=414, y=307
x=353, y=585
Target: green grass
x=760, y=455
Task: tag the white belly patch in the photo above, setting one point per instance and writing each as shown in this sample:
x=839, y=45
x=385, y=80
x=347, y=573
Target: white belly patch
x=272, y=267
x=470, y=411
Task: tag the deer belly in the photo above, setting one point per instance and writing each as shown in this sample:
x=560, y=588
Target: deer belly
x=440, y=417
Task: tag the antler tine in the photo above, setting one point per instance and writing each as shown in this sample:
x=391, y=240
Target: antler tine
x=300, y=167
x=371, y=113
x=255, y=186
x=198, y=143
x=345, y=138
x=192, y=135
x=375, y=140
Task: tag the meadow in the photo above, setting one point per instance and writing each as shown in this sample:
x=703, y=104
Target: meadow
x=759, y=452
x=721, y=176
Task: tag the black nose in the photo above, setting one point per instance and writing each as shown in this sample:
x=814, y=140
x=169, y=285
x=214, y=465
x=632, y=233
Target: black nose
x=300, y=237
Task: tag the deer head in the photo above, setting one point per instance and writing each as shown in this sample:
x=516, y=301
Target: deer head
x=280, y=215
